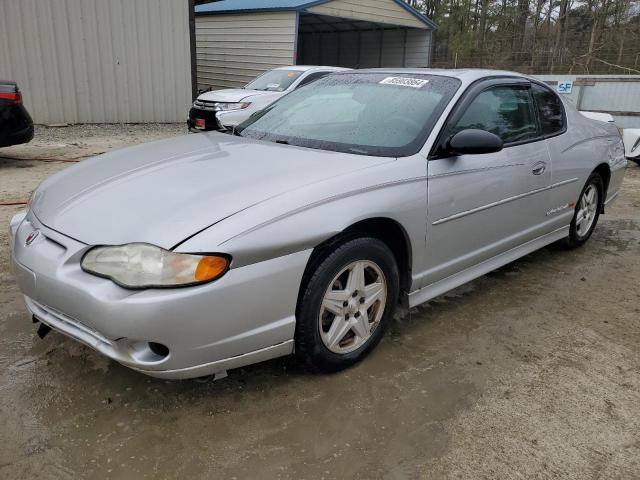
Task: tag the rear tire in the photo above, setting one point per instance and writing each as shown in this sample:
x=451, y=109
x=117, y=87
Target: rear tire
x=345, y=304
x=587, y=212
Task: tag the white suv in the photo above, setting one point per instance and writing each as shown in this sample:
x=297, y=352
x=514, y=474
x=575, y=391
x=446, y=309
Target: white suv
x=225, y=109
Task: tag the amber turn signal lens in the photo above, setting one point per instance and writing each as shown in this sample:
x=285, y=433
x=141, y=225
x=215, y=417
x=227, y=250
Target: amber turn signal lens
x=210, y=268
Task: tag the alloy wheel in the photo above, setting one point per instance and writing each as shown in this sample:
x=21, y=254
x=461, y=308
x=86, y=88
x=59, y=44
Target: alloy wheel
x=587, y=210
x=352, y=306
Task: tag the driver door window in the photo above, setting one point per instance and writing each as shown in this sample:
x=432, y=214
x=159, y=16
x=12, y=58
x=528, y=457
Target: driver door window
x=503, y=110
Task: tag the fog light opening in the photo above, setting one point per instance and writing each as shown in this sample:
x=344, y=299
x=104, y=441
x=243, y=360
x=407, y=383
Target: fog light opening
x=159, y=349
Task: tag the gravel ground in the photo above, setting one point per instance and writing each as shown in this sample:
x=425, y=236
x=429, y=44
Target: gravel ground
x=75, y=142
x=55, y=147
x=532, y=371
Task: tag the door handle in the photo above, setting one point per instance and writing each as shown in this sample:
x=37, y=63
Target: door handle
x=539, y=168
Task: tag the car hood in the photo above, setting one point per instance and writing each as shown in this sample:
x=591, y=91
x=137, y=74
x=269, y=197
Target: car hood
x=231, y=95
x=166, y=191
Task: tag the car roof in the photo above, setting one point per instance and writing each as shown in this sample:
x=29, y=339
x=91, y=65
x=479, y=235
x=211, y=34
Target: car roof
x=466, y=75
x=308, y=68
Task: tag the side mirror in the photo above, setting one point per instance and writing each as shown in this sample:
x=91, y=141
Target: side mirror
x=474, y=142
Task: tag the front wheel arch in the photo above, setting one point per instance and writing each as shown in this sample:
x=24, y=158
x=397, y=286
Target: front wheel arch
x=387, y=230
x=310, y=347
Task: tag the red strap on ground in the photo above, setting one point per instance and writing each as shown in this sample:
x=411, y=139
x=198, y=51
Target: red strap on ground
x=64, y=160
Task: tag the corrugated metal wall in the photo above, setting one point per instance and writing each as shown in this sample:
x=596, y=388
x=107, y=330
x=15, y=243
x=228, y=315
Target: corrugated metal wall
x=232, y=49
x=382, y=11
x=419, y=48
x=98, y=61
x=341, y=48
x=615, y=94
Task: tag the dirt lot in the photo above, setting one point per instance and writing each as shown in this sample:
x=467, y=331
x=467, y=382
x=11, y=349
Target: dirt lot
x=532, y=371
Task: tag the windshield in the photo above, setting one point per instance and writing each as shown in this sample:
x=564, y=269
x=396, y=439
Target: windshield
x=275, y=80
x=382, y=114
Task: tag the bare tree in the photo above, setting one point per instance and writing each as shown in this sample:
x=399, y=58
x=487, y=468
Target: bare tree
x=537, y=35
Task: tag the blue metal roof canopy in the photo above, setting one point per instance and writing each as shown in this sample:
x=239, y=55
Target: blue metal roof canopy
x=245, y=6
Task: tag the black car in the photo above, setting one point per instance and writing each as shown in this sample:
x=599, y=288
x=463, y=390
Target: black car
x=16, y=126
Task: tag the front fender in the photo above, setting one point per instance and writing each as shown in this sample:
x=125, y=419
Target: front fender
x=303, y=219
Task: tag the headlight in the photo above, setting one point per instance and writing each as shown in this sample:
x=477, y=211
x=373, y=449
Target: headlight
x=219, y=106
x=225, y=107
x=140, y=265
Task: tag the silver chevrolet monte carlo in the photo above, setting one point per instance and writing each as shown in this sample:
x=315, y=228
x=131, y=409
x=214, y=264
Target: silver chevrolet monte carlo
x=301, y=231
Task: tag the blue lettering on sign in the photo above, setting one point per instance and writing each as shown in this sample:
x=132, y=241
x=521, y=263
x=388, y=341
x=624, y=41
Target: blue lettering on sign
x=565, y=87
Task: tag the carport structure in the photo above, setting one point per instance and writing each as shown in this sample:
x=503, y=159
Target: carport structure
x=236, y=40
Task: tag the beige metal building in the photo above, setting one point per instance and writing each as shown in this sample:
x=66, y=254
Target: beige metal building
x=239, y=39
x=99, y=61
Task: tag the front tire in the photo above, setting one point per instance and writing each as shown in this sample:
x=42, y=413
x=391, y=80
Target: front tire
x=345, y=304
x=587, y=212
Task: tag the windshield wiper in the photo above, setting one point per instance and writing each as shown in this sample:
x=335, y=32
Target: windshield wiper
x=359, y=151
x=283, y=142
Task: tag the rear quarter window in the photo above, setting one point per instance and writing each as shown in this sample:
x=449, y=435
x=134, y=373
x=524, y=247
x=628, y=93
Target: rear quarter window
x=550, y=110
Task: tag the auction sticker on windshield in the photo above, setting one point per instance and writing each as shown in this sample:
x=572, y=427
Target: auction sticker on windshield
x=405, y=82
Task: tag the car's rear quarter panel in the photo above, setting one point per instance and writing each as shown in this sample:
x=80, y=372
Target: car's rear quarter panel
x=576, y=154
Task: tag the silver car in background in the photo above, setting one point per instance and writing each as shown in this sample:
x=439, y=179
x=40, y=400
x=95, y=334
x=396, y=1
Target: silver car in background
x=300, y=233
